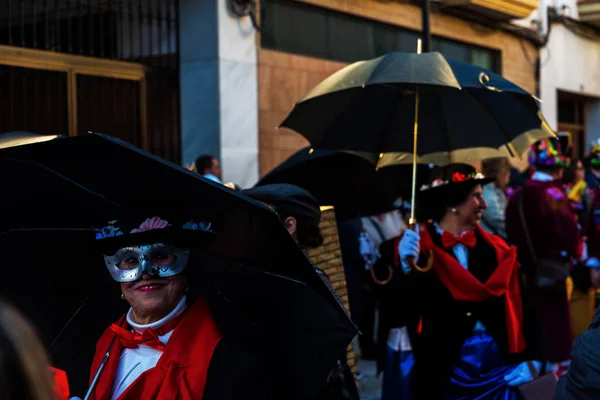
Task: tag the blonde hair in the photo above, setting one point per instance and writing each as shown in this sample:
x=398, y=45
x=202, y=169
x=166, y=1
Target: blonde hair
x=493, y=167
x=24, y=369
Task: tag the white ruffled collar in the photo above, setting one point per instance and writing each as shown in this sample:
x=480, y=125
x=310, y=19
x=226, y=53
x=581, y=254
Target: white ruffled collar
x=139, y=328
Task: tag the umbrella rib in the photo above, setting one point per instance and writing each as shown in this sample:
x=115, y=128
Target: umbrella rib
x=66, y=326
x=48, y=169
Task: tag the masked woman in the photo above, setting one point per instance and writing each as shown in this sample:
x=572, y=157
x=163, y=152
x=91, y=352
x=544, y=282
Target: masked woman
x=468, y=323
x=170, y=344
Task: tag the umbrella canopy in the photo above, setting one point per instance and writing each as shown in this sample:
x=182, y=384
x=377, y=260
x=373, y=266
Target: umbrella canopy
x=85, y=181
x=466, y=113
x=20, y=138
x=344, y=180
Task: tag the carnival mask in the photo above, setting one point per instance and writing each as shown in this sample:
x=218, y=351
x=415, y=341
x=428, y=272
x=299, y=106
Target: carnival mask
x=158, y=260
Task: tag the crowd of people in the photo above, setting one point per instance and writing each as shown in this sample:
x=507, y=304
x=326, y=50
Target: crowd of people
x=478, y=297
x=460, y=295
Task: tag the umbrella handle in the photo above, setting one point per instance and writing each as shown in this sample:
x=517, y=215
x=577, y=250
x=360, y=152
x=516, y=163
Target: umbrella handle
x=386, y=280
x=413, y=263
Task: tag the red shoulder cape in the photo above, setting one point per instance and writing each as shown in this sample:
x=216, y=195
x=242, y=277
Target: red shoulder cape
x=181, y=371
x=463, y=286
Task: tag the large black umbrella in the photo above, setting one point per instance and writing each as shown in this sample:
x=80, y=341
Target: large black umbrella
x=465, y=113
x=345, y=180
x=79, y=182
x=419, y=108
x=19, y=138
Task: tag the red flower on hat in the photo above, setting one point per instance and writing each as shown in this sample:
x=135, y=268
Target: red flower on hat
x=459, y=177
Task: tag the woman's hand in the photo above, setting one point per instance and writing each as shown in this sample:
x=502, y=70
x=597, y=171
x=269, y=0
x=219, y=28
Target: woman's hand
x=522, y=374
x=409, y=246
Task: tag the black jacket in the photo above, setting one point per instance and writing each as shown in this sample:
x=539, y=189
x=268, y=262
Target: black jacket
x=447, y=323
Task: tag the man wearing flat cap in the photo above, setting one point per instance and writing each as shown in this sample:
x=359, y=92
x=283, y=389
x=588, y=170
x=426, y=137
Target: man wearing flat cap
x=300, y=213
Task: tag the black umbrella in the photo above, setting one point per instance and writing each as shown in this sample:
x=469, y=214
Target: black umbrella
x=419, y=108
x=465, y=113
x=19, y=138
x=344, y=180
x=119, y=179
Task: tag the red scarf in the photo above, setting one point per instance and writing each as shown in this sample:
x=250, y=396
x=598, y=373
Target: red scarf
x=504, y=282
x=181, y=371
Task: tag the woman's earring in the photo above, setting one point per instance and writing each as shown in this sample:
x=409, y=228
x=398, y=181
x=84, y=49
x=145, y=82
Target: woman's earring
x=122, y=296
x=187, y=288
x=453, y=210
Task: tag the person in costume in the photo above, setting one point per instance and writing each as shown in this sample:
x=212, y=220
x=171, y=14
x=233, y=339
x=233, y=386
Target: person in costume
x=170, y=344
x=577, y=190
x=300, y=213
x=592, y=175
x=539, y=220
x=468, y=318
x=494, y=194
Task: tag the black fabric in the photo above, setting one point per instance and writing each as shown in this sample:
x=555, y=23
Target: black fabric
x=448, y=173
x=582, y=380
x=288, y=200
x=592, y=180
x=360, y=287
x=447, y=323
x=375, y=106
x=237, y=372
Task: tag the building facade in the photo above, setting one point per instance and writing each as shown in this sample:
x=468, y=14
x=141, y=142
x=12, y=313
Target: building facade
x=303, y=41
x=181, y=78
x=569, y=67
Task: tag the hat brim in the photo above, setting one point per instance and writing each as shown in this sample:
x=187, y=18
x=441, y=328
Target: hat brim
x=184, y=238
x=455, y=185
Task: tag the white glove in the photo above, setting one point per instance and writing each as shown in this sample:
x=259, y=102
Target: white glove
x=584, y=252
x=367, y=247
x=409, y=246
x=522, y=374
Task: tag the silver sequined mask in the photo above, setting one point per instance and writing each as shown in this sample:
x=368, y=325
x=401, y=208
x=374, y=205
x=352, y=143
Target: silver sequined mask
x=158, y=260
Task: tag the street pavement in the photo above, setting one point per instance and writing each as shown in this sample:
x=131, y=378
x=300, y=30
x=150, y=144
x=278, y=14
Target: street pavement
x=369, y=385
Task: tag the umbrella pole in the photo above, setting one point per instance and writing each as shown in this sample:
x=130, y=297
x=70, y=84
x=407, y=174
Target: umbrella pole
x=413, y=222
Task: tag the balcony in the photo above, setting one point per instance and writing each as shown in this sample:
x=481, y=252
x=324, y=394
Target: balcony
x=589, y=11
x=501, y=10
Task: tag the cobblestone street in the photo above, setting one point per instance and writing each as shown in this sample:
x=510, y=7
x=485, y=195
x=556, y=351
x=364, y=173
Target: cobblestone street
x=369, y=384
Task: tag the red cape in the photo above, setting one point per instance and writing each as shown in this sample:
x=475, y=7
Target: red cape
x=463, y=286
x=181, y=371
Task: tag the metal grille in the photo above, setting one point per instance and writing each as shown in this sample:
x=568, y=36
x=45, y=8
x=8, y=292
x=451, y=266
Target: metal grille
x=135, y=31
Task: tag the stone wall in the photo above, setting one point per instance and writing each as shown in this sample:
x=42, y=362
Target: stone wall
x=328, y=258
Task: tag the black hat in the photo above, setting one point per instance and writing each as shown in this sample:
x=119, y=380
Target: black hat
x=288, y=200
x=453, y=176
x=122, y=233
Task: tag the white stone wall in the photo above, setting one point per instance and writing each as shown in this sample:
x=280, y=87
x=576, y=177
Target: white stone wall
x=571, y=63
x=219, y=89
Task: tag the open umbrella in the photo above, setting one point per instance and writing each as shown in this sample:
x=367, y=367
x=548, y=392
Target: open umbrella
x=19, y=138
x=345, y=180
x=262, y=273
x=419, y=108
x=464, y=113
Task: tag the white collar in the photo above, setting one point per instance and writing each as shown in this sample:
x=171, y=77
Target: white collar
x=440, y=231
x=179, y=308
x=541, y=177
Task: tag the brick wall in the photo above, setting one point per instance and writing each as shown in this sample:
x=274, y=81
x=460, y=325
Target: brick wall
x=285, y=78
x=328, y=258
